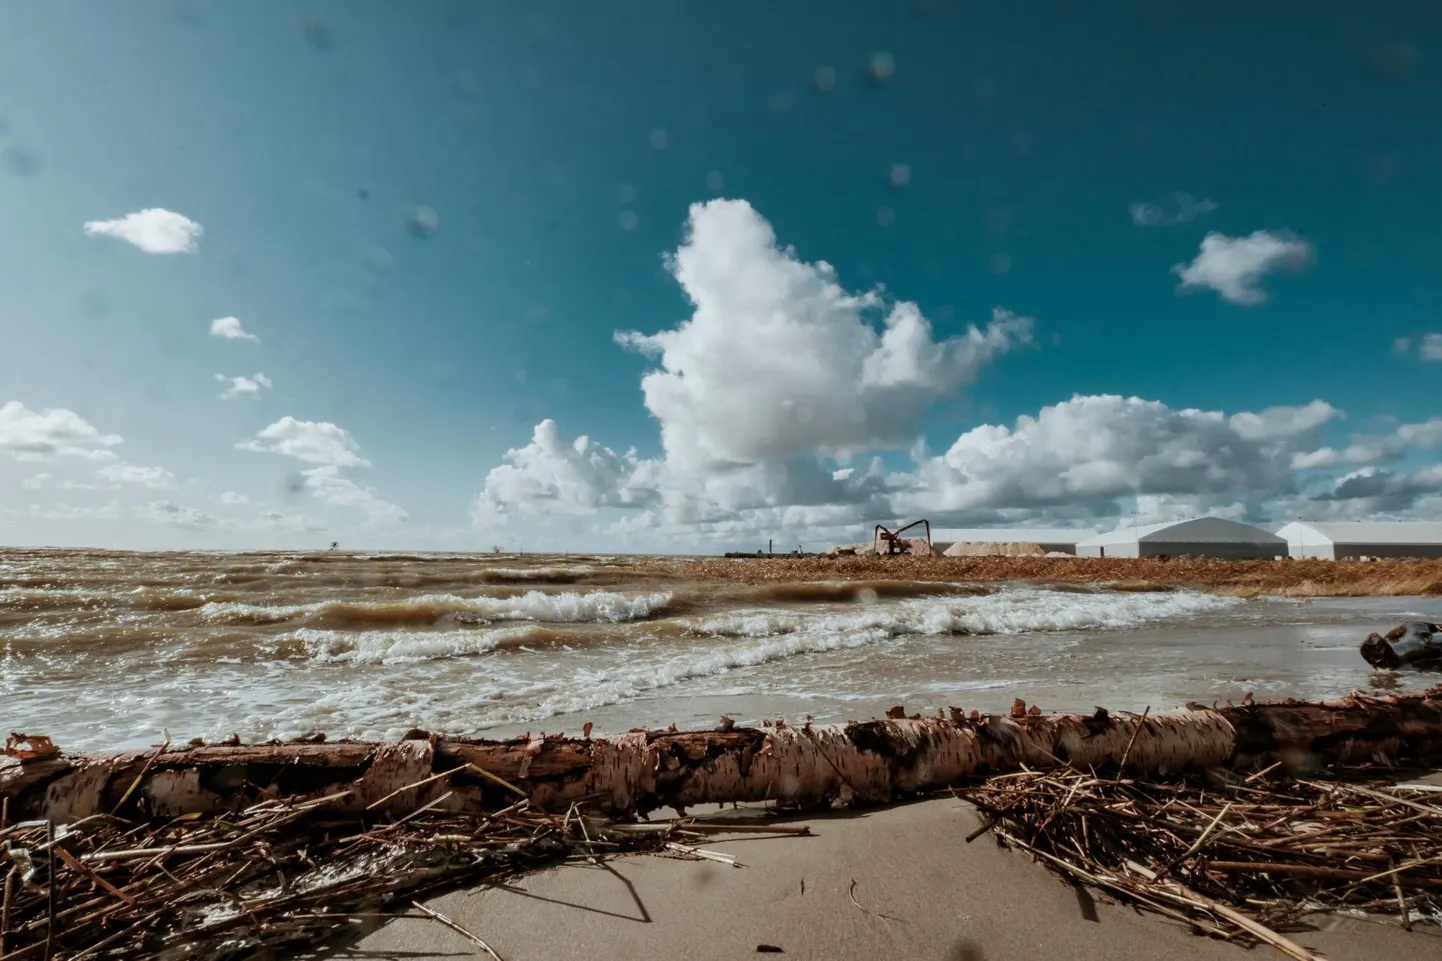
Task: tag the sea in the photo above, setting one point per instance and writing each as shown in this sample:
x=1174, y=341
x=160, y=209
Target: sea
x=105, y=649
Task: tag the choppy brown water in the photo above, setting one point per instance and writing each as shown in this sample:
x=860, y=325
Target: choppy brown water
x=110, y=649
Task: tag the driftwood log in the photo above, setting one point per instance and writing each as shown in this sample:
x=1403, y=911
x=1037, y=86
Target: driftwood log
x=863, y=762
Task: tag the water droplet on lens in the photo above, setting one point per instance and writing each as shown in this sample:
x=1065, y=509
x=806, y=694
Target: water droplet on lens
x=881, y=67
x=824, y=79
x=18, y=161
x=715, y=181
x=1000, y=263
x=423, y=222
x=659, y=139
x=626, y=194
x=899, y=175
x=628, y=220
x=317, y=34
x=885, y=216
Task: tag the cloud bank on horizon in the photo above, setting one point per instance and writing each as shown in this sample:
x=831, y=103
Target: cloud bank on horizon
x=789, y=405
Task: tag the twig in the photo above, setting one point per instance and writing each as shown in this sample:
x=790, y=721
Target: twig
x=459, y=930
x=423, y=781
x=851, y=893
x=1122, y=765
x=139, y=777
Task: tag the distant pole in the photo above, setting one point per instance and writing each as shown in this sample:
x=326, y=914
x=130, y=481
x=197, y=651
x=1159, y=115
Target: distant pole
x=769, y=543
x=1301, y=539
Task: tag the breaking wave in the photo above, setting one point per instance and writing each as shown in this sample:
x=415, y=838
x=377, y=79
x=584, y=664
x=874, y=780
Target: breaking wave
x=568, y=607
x=864, y=591
x=402, y=647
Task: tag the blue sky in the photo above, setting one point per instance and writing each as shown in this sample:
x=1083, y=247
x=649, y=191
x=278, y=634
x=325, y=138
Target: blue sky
x=960, y=158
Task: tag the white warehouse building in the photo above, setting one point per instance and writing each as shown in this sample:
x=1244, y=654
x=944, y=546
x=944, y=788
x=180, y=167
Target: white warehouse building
x=1201, y=537
x=1342, y=540
x=1055, y=540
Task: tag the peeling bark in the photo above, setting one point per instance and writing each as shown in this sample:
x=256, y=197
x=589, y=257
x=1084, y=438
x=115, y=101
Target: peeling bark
x=865, y=762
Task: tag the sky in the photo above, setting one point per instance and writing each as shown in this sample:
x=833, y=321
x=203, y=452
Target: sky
x=651, y=276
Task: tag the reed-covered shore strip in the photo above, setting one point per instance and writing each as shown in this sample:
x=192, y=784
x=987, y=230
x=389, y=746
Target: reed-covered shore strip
x=1279, y=578
x=640, y=771
x=1243, y=858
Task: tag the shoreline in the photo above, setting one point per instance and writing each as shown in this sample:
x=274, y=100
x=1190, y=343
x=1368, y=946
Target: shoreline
x=1278, y=578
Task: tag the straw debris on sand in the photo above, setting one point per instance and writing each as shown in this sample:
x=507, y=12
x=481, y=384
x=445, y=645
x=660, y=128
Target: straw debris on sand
x=1294, y=578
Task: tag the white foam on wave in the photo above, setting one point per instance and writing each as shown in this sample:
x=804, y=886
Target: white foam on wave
x=564, y=607
x=1006, y=612
x=405, y=647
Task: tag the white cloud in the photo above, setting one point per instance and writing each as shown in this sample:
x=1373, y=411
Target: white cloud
x=232, y=498
x=35, y=482
x=67, y=512
x=333, y=449
x=172, y=514
x=1431, y=347
x=154, y=230
x=155, y=478
x=32, y=435
x=332, y=487
x=579, y=475
x=1184, y=209
x=779, y=360
x=1373, y=449
x=1234, y=266
x=243, y=386
x=229, y=328
x=315, y=442
x=1089, y=450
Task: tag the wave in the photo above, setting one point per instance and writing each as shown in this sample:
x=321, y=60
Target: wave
x=554, y=575
x=404, y=647
x=607, y=607
x=1004, y=612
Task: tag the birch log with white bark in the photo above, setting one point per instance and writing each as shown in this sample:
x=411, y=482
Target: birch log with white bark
x=864, y=762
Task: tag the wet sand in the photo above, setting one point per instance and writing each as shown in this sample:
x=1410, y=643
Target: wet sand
x=921, y=893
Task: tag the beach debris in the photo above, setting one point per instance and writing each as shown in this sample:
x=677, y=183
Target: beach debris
x=280, y=874
x=1414, y=644
x=1237, y=858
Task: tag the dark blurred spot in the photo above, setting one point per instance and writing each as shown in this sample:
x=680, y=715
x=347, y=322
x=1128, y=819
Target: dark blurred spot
x=552, y=225
x=19, y=161
x=292, y=484
x=187, y=13
x=317, y=34
x=363, y=194
x=880, y=67
x=1389, y=62
x=94, y=303
x=423, y=222
x=780, y=101
x=965, y=950
x=1381, y=169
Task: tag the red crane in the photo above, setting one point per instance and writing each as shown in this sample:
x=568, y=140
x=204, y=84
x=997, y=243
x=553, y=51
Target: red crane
x=892, y=539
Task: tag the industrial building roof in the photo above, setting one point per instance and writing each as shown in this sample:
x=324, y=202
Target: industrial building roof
x=1200, y=530
x=1373, y=532
x=1011, y=535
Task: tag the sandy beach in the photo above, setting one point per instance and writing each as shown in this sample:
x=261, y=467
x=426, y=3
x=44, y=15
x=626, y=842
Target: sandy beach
x=921, y=892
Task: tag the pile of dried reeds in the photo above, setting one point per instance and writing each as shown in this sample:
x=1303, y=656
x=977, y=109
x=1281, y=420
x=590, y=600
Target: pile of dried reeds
x=1237, y=858
x=276, y=877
